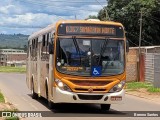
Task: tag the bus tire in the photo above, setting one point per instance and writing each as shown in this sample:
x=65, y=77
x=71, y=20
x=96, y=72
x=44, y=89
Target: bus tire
x=34, y=95
x=105, y=107
x=50, y=103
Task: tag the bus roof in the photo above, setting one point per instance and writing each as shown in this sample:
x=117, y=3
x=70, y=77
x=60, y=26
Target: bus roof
x=52, y=27
x=89, y=22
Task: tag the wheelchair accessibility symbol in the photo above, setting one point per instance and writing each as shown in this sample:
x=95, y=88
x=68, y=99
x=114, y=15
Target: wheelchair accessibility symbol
x=96, y=71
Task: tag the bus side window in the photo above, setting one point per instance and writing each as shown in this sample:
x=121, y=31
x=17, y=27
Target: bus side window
x=32, y=50
x=43, y=51
x=43, y=41
x=36, y=47
x=28, y=50
x=36, y=43
x=47, y=47
x=48, y=37
x=51, y=44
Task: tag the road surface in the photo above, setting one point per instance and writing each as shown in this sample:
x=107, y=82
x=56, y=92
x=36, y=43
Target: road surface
x=13, y=86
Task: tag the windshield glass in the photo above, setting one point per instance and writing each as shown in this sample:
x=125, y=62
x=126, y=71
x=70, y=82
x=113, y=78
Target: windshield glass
x=85, y=57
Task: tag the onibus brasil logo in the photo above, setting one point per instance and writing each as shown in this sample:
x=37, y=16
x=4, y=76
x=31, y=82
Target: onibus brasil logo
x=7, y=114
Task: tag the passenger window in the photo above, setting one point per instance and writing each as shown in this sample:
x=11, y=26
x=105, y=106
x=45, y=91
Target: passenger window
x=43, y=41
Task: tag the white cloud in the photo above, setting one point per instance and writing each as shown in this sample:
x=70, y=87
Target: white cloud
x=5, y=9
x=31, y=13
x=29, y=19
x=10, y=9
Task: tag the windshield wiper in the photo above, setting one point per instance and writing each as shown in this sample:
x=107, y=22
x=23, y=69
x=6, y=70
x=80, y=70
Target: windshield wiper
x=77, y=48
x=103, y=49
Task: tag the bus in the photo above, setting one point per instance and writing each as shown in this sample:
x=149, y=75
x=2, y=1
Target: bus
x=78, y=61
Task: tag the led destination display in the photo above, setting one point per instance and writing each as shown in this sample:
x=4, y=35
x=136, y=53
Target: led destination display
x=90, y=29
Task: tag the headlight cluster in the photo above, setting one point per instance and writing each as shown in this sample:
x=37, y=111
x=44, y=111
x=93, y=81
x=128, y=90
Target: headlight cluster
x=118, y=87
x=62, y=85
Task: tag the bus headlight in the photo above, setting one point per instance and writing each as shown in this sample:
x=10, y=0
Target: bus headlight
x=118, y=87
x=62, y=85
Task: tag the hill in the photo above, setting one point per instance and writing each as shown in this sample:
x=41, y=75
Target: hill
x=13, y=41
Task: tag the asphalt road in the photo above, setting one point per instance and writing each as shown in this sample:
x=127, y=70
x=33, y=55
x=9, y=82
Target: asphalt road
x=13, y=86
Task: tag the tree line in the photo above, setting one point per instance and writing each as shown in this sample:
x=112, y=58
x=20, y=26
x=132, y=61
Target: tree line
x=128, y=12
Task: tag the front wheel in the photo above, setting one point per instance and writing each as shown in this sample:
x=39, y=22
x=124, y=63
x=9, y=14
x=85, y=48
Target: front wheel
x=105, y=106
x=50, y=103
x=34, y=95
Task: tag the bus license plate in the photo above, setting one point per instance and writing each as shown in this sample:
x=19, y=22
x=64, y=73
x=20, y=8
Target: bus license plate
x=116, y=98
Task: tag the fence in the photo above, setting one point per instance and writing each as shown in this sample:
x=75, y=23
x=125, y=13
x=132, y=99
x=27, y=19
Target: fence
x=157, y=70
x=149, y=67
x=152, y=68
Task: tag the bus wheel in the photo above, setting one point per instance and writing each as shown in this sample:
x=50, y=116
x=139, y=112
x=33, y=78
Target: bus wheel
x=105, y=106
x=34, y=95
x=50, y=103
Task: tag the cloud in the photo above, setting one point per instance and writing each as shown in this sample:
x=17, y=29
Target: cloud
x=29, y=14
x=5, y=9
x=29, y=19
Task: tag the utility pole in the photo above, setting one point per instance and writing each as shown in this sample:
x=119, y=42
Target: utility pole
x=140, y=37
x=75, y=16
x=107, y=15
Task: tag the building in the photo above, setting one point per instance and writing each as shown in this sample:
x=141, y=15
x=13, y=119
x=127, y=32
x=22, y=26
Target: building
x=146, y=65
x=13, y=57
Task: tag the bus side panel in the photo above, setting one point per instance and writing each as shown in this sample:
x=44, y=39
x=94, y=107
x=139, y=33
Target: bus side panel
x=38, y=67
x=34, y=74
x=44, y=75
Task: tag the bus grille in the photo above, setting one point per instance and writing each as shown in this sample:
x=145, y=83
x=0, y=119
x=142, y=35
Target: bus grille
x=86, y=90
x=90, y=83
x=90, y=97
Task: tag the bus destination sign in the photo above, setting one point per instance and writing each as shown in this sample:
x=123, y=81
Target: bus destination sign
x=90, y=29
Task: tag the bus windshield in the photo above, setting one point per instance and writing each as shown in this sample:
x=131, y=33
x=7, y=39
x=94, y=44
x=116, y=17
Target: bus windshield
x=77, y=56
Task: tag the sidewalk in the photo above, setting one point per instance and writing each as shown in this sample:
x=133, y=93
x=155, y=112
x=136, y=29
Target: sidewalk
x=142, y=93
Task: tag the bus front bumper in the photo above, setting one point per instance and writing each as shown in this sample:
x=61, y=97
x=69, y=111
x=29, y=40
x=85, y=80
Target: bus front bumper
x=60, y=96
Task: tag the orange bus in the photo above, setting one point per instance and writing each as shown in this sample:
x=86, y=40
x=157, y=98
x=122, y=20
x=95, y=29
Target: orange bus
x=78, y=61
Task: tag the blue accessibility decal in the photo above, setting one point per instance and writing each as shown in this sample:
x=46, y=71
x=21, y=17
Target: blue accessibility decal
x=96, y=70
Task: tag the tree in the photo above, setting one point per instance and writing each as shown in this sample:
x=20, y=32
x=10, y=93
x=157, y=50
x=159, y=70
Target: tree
x=128, y=13
x=25, y=48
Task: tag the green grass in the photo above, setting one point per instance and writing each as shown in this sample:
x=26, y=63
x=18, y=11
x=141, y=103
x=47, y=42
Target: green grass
x=1, y=98
x=9, y=69
x=153, y=90
x=11, y=118
x=137, y=85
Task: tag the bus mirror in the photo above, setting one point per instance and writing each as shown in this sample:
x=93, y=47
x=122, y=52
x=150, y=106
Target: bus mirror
x=51, y=46
x=127, y=46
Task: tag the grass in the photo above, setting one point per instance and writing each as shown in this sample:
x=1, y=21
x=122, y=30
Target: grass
x=2, y=101
x=13, y=117
x=1, y=98
x=153, y=90
x=9, y=69
x=137, y=85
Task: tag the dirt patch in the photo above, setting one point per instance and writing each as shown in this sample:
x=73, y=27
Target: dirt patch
x=6, y=106
x=143, y=93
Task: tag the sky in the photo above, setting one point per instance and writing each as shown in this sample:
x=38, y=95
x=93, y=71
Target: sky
x=28, y=16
